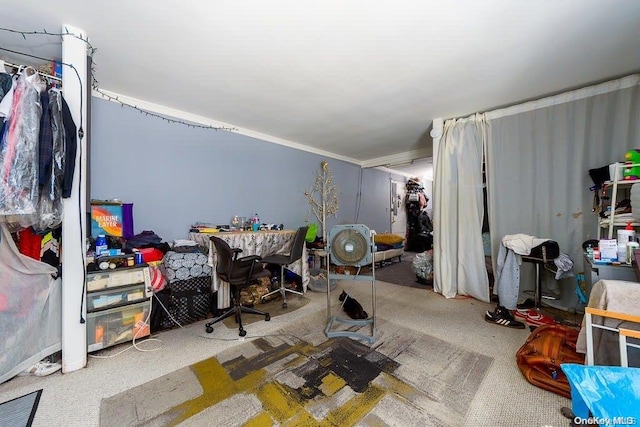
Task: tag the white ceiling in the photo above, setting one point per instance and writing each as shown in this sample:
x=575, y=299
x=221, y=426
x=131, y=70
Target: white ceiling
x=359, y=79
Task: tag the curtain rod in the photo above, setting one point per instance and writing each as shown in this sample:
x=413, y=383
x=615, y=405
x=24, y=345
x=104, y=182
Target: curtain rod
x=20, y=67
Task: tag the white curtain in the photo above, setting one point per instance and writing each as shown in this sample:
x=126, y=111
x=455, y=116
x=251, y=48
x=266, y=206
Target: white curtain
x=538, y=155
x=459, y=267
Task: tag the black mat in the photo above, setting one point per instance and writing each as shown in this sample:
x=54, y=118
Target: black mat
x=400, y=273
x=20, y=411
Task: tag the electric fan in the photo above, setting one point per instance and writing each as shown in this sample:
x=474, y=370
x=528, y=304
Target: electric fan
x=350, y=245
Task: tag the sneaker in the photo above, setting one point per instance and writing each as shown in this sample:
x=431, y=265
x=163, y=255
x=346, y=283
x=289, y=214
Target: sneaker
x=501, y=316
x=538, y=319
x=41, y=369
x=528, y=303
x=521, y=314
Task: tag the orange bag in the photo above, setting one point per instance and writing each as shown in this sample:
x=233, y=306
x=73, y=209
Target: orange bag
x=540, y=357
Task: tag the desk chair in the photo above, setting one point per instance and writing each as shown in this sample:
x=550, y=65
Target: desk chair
x=297, y=247
x=239, y=273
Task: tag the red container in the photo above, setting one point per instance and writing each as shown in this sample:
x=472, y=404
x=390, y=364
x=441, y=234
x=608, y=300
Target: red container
x=151, y=254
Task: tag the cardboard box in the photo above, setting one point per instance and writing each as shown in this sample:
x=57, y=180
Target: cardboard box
x=608, y=250
x=111, y=218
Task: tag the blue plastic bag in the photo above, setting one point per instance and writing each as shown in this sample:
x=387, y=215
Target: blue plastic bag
x=611, y=393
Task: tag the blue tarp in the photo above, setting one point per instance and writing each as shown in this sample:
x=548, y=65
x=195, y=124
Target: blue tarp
x=610, y=393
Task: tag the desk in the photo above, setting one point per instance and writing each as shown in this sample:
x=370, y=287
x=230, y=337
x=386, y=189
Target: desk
x=262, y=243
x=594, y=272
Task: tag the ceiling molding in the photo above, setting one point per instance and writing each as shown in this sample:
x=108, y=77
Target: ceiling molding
x=397, y=159
x=395, y=172
x=200, y=120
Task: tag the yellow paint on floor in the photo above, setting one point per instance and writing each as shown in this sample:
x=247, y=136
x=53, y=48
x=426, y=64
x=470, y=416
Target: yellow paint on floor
x=261, y=420
x=355, y=409
x=217, y=386
x=395, y=386
x=331, y=383
x=278, y=401
x=301, y=419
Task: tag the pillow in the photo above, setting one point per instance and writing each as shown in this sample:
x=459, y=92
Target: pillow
x=388, y=239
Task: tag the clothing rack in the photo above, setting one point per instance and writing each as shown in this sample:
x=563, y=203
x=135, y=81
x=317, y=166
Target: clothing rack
x=19, y=69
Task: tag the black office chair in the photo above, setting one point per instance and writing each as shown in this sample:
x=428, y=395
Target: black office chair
x=295, y=253
x=239, y=273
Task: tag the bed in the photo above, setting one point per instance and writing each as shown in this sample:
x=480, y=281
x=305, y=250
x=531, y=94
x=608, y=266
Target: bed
x=389, y=248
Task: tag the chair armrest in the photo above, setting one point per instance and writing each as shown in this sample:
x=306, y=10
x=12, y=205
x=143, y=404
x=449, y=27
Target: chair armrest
x=235, y=252
x=250, y=258
x=247, y=260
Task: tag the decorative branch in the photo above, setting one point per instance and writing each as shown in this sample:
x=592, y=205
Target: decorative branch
x=323, y=197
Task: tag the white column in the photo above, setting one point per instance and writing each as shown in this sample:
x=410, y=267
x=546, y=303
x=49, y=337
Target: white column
x=74, y=335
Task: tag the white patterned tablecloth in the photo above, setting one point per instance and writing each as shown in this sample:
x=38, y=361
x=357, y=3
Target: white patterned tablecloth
x=260, y=243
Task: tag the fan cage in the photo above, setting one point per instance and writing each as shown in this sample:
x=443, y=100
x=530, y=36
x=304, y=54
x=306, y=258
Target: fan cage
x=351, y=245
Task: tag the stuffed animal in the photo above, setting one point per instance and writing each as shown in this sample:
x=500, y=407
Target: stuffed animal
x=632, y=157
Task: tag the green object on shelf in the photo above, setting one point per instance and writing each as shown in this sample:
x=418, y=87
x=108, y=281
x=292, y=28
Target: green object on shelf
x=312, y=232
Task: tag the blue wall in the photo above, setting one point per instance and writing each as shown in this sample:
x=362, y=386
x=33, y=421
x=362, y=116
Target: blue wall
x=176, y=175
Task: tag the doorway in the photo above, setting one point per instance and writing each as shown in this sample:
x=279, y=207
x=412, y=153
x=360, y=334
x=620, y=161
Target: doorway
x=398, y=213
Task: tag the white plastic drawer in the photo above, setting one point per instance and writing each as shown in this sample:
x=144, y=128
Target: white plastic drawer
x=112, y=279
x=115, y=297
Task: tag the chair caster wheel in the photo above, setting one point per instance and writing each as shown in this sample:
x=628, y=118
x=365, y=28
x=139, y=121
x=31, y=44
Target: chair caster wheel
x=209, y=329
x=284, y=305
x=242, y=332
x=267, y=317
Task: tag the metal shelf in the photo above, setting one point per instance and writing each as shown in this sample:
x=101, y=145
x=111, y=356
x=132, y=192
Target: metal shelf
x=610, y=222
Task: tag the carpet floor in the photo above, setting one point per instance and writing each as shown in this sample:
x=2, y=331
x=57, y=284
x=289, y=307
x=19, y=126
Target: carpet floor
x=400, y=273
x=273, y=307
x=298, y=376
x=503, y=399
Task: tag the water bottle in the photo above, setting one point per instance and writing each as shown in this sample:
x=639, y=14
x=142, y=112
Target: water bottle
x=101, y=244
x=256, y=223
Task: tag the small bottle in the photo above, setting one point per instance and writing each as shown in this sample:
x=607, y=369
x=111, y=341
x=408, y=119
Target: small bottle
x=101, y=244
x=631, y=247
x=590, y=252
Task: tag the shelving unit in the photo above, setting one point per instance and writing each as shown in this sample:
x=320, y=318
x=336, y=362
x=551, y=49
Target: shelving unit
x=610, y=224
x=118, y=306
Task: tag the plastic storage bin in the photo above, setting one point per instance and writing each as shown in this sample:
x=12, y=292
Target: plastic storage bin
x=116, y=297
x=111, y=278
x=117, y=325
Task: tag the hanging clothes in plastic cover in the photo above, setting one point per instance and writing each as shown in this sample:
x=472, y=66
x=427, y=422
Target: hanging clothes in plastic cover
x=30, y=309
x=19, y=153
x=49, y=211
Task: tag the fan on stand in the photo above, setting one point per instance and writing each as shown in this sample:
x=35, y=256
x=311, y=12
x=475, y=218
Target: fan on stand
x=351, y=245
